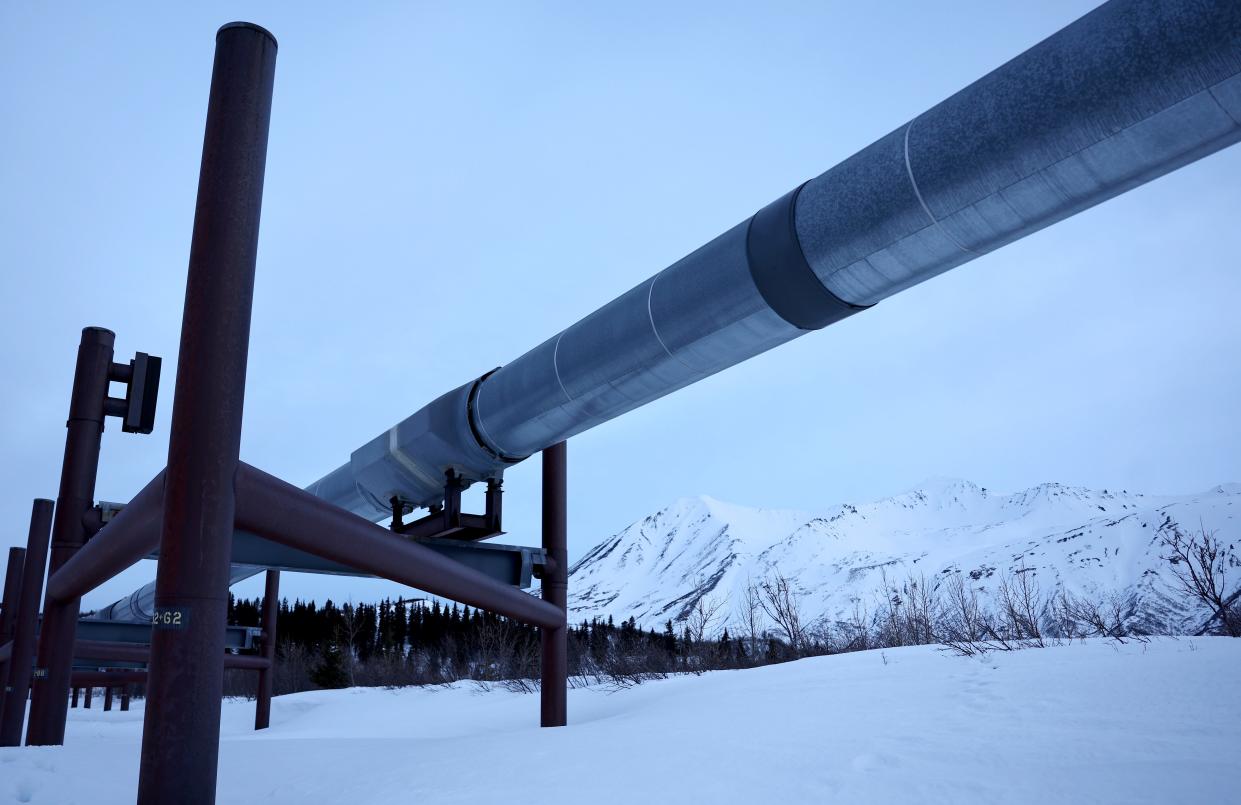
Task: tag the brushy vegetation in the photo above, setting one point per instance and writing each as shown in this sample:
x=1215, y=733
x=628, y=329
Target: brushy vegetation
x=398, y=643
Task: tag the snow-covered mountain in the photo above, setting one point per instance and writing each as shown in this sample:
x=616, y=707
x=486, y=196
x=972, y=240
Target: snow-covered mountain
x=1088, y=542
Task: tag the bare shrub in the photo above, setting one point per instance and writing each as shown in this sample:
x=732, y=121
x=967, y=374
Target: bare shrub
x=782, y=604
x=749, y=616
x=1021, y=606
x=964, y=618
x=854, y=633
x=908, y=613
x=1105, y=615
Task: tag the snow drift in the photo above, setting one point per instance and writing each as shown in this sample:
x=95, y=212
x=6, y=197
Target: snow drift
x=1083, y=723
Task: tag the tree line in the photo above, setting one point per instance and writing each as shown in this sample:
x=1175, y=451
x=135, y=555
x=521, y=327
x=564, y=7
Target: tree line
x=398, y=642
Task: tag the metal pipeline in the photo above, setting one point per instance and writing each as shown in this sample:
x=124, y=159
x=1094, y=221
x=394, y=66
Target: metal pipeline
x=1131, y=91
x=1127, y=93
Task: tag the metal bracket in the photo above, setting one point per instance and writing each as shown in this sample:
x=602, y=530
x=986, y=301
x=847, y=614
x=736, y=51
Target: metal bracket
x=448, y=521
x=141, y=378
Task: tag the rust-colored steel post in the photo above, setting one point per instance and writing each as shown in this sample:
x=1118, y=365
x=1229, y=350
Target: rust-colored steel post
x=124, y=698
x=49, y=704
x=89, y=690
x=185, y=679
x=17, y=689
x=8, y=615
x=555, y=585
x=271, y=609
x=73, y=697
x=12, y=588
x=107, y=698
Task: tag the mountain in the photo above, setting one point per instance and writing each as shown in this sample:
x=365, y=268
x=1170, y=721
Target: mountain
x=1085, y=541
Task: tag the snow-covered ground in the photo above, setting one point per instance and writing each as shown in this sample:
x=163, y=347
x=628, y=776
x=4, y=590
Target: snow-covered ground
x=1085, y=723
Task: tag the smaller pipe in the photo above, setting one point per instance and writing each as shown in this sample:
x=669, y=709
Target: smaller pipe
x=124, y=699
x=89, y=680
x=73, y=696
x=246, y=662
x=113, y=652
x=107, y=698
x=137, y=652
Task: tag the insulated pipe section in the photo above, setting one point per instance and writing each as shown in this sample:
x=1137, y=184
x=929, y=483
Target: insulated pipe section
x=1127, y=93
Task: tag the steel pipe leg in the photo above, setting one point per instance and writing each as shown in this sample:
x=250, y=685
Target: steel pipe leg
x=185, y=677
x=49, y=704
x=271, y=609
x=17, y=688
x=555, y=585
x=8, y=607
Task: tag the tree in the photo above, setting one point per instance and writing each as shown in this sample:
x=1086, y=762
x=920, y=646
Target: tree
x=669, y=639
x=750, y=615
x=783, y=605
x=1200, y=564
x=702, y=616
x=330, y=672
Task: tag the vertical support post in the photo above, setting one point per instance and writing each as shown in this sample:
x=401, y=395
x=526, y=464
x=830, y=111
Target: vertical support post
x=495, y=504
x=73, y=697
x=49, y=704
x=185, y=677
x=89, y=691
x=555, y=586
x=17, y=689
x=9, y=602
x=107, y=698
x=271, y=610
x=12, y=588
x=125, y=698
x=453, y=487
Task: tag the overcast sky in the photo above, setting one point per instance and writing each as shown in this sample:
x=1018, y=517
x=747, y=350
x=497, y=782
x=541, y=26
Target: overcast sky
x=448, y=186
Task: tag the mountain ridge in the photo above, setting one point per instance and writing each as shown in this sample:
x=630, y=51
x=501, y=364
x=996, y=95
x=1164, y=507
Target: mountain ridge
x=1085, y=541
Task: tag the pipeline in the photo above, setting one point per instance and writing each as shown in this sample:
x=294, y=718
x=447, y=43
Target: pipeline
x=1129, y=92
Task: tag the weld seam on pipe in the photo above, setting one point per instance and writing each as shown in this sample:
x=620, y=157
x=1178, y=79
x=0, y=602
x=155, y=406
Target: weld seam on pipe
x=650, y=292
x=909, y=171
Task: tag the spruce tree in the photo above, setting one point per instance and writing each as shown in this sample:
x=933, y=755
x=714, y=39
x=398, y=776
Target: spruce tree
x=330, y=672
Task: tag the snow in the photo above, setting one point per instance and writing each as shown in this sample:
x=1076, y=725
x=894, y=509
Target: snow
x=1089, y=722
x=1088, y=542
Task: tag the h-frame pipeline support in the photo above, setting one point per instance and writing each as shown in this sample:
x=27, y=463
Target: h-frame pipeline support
x=181, y=731
x=553, y=705
x=49, y=704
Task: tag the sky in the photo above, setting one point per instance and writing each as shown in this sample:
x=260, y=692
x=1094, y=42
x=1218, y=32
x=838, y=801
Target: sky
x=448, y=185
